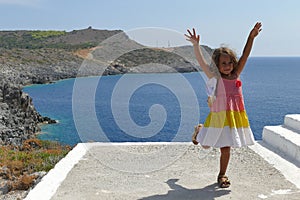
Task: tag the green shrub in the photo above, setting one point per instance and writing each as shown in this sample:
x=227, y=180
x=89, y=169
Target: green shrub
x=45, y=34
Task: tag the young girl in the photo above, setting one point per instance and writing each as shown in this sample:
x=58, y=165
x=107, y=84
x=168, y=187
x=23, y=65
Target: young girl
x=227, y=124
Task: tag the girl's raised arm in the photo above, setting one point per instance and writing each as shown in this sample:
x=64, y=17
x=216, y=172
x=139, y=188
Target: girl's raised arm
x=194, y=39
x=247, y=49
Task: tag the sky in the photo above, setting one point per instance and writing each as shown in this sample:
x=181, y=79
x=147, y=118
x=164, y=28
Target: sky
x=163, y=22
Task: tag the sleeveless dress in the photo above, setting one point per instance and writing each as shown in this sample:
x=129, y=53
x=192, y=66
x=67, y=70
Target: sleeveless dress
x=227, y=123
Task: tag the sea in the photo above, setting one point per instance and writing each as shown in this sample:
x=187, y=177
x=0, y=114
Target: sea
x=162, y=107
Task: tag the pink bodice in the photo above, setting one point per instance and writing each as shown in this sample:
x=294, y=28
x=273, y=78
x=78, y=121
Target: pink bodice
x=229, y=96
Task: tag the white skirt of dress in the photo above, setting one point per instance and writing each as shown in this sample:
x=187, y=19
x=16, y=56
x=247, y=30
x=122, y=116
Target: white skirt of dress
x=225, y=137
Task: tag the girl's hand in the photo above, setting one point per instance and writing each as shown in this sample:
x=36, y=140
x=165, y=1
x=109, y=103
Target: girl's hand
x=255, y=31
x=193, y=38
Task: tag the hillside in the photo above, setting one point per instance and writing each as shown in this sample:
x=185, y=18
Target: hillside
x=46, y=56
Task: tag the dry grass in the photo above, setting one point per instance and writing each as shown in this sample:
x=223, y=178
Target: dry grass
x=18, y=164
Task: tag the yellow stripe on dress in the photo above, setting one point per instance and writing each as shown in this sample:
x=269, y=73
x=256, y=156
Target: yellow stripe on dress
x=233, y=119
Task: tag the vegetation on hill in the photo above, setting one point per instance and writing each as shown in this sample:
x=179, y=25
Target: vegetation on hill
x=77, y=39
x=45, y=34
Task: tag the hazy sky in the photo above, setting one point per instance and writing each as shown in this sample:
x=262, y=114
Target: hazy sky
x=217, y=21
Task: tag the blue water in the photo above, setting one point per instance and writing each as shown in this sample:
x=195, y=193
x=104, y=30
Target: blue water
x=160, y=107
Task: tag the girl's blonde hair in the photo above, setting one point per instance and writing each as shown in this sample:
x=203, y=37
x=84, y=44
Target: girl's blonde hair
x=216, y=57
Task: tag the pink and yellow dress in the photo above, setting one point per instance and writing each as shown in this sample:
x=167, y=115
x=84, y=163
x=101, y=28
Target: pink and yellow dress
x=227, y=123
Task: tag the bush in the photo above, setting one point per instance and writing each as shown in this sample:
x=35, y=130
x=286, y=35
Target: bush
x=45, y=34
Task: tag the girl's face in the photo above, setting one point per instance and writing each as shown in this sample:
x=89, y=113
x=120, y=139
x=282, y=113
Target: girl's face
x=225, y=64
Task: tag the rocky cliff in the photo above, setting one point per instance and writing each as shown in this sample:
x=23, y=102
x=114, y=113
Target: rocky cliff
x=19, y=120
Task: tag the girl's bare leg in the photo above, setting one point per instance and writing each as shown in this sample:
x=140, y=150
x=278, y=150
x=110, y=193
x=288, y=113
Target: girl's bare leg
x=224, y=160
x=196, y=132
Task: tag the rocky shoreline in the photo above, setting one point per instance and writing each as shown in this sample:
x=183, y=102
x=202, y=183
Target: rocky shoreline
x=19, y=119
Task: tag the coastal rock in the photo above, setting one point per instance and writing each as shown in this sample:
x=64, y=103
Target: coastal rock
x=18, y=117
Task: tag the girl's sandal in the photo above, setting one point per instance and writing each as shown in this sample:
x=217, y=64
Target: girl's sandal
x=196, y=131
x=223, y=181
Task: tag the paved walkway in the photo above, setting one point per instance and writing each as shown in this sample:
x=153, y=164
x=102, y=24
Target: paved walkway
x=155, y=171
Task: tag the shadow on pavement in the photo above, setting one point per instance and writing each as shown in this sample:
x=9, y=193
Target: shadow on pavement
x=178, y=192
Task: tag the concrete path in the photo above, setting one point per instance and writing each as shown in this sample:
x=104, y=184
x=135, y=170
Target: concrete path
x=152, y=171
